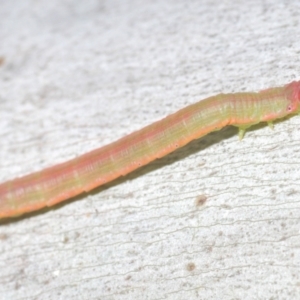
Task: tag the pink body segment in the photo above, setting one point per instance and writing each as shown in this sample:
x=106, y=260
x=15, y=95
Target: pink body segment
x=61, y=182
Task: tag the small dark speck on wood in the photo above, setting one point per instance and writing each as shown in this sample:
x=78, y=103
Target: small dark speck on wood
x=200, y=200
x=191, y=266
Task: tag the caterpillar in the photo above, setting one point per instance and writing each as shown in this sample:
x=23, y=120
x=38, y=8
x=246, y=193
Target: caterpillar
x=88, y=171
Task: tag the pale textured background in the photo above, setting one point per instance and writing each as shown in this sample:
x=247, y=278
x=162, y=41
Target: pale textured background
x=76, y=75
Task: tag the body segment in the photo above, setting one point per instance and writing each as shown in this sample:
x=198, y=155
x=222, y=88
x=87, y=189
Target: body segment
x=63, y=181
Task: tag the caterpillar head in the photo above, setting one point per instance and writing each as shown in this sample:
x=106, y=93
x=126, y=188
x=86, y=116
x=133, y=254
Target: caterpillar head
x=293, y=93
